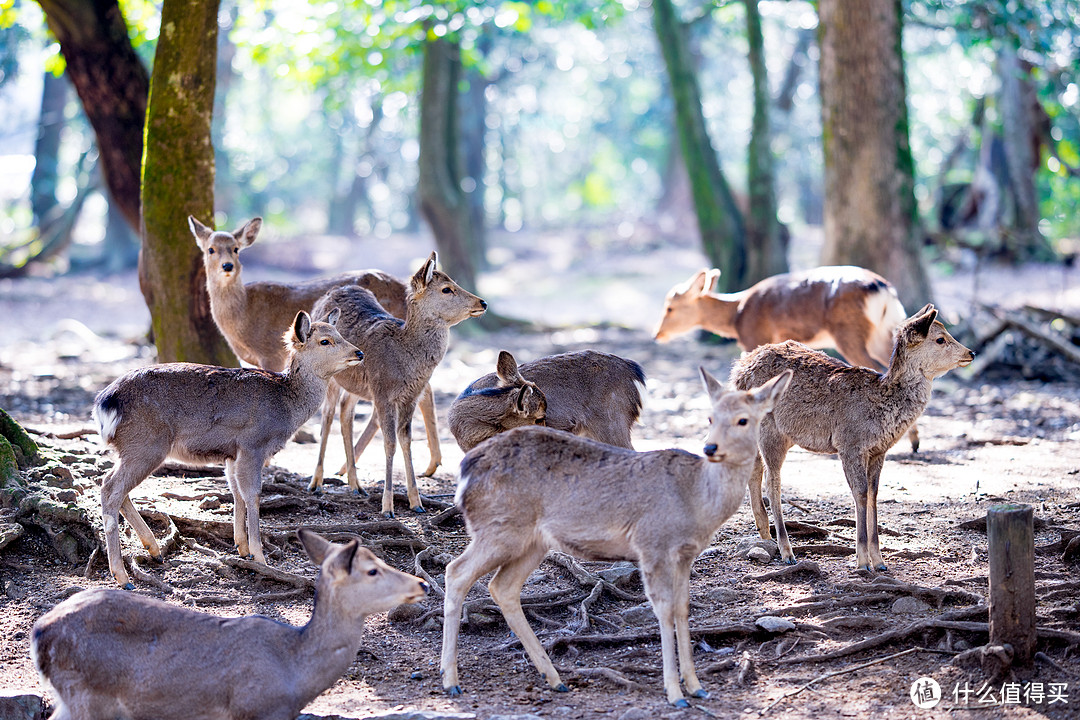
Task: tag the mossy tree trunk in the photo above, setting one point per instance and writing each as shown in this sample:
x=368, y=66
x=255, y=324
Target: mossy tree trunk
x=17, y=449
x=719, y=221
x=178, y=180
x=766, y=250
x=870, y=212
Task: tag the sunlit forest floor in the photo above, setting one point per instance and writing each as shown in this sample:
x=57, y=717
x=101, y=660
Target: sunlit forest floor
x=983, y=442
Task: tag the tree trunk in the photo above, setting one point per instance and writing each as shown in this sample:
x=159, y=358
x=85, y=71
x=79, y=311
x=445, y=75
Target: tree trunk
x=178, y=180
x=442, y=201
x=54, y=94
x=719, y=221
x=766, y=251
x=870, y=214
x=473, y=131
x=112, y=84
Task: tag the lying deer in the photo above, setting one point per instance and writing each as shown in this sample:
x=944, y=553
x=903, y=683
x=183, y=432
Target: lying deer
x=588, y=393
x=535, y=489
x=400, y=357
x=855, y=412
x=252, y=316
x=844, y=307
x=111, y=654
x=202, y=413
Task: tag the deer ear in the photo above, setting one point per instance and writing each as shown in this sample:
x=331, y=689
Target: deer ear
x=333, y=317
x=200, y=231
x=247, y=234
x=341, y=562
x=710, y=280
x=506, y=369
x=302, y=326
x=425, y=274
x=713, y=387
x=523, y=396
x=771, y=391
x=923, y=320
x=314, y=544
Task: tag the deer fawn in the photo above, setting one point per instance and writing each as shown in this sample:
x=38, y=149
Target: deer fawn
x=844, y=307
x=535, y=489
x=111, y=654
x=588, y=393
x=400, y=357
x=855, y=412
x=202, y=413
x=252, y=316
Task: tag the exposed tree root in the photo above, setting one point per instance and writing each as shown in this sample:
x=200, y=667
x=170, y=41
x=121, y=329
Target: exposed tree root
x=799, y=568
x=613, y=676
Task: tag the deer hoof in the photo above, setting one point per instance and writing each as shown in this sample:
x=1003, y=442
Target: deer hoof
x=129, y=585
x=454, y=691
x=389, y=514
x=790, y=561
x=418, y=509
x=681, y=703
x=882, y=567
x=701, y=693
x=561, y=687
x=157, y=558
x=361, y=492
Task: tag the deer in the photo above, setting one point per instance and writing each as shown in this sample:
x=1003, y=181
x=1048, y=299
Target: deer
x=534, y=489
x=203, y=413
x=105, y=653
x=400, y=357
x=252, y=316
x=831, y=407
x=844, y=307
x=588, y=393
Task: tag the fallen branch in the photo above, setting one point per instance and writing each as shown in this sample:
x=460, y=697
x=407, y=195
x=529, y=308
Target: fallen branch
x=608, y=674
x=445, y=516
x=712, y=631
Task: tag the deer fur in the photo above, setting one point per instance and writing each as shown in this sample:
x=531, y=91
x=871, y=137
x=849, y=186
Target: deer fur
x=400, y=357
x=588, y=393
x=534, y=489
x=112, y=654
x=252, y=316
x=855, y=412
x=202, y=413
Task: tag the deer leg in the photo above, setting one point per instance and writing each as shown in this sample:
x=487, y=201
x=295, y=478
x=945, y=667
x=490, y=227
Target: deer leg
x=240, y=538
x=404, y=432
x=682, y=629
x=873, y=481
x=505, y=589
x=431, y=430
x=146, y=535
x=330, y=402
x=388, y=420
x=659, y=579
x=855, y=470
x=913, y=437
x=461, y=574
x=774, y=448
x=364, y=440
x=247, y=473
x=761, y=517
x=114, y=492
x=348, y=410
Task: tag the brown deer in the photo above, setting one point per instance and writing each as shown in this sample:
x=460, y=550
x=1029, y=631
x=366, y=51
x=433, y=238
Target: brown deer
x=535, y=489
x=201, y=413
x=588, y=393
x=252, y=316
x=844, y=307
x=855, y=412
x=400, y=357
x=112, y=654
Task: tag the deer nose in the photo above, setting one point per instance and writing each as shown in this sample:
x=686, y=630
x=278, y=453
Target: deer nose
x=227, y=267
x=425, y=587
x=359, y=355
x=483, y=304
x=710, y=449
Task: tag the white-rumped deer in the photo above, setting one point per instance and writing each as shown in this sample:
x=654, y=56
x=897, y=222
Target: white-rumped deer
x=112, y=654
x=844, y=307
x=858, y=413
x=253, y=316
x=399, y=359
x=535, y=489
x=202, y=413
x=593, y=394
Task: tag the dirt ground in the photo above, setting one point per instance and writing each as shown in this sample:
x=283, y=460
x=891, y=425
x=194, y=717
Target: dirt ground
x=987, y=438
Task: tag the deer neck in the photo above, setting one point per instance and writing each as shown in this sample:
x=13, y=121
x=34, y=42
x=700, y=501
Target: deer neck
x=429, y=336
x=327, y=646
x=906, y=379
x=718, y=312
x=725, y=487
x=228, y=300
x=303, y=388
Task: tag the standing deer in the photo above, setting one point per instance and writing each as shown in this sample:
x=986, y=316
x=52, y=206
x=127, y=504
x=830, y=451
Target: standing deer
x=400, y=357
x=252, y=316
x=855, y=412
x=201, y=413
x=535, y=489
x=848, y=308
x=111, y=654
x=588, y=393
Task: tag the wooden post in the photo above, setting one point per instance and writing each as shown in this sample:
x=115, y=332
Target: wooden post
x=1011, y=537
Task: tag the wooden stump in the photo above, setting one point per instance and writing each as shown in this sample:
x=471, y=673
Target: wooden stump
x=1010, y=532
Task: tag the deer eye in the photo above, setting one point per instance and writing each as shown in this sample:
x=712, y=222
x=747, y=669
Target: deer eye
x=941, y=341
x=324, y=341
x=210, y=251
x=742, y=421
x=373, y=572
x=447, y=290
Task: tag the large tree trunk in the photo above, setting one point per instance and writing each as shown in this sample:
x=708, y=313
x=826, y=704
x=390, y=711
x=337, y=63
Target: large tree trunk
x=719, y=221
x=766, y=251
x=178, y=180
x=442, y=201
x=112, y=84
x=870, y=214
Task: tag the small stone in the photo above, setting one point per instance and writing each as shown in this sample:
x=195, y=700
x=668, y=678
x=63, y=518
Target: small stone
x=210, y=503
x=621, y=574
x=722, y=595
x=416, y=675
x=9, y=533
x=66, y=496
x=759, y=555
x=523, y=716
x=22, y=707
x=14, y=592
x=639, y=615
x=773, y=624
x=743, y=549
x=636, y=714
x=909, y=606
x=405, y=613
x=303, y=435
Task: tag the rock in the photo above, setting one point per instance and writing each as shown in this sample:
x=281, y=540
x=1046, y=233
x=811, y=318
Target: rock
x=621, y=574
x=722, y=595
x=523, y=716
x=210, y=503
x=402, y=715
x=303, y=435
x=636, y=714
x=405, y=613
x=9, y=533
x=639, y=615
x=13, y=591
x=759, y=555
x=66, y=496
x=909, y=606
x=773, y=624
x=743, y=549
x=22, y=707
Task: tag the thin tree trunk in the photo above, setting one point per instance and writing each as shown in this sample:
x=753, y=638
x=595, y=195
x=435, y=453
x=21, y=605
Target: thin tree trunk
x=719, y=222
x=54, y=95
x=178, y=180
x=870, y=213
x=112, y=84
x=766, y=251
